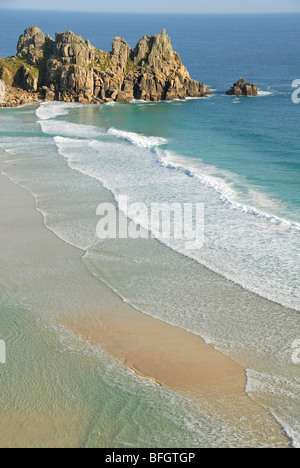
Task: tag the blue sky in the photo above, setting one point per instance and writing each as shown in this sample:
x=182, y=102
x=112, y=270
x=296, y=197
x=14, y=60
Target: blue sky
x=160, y=6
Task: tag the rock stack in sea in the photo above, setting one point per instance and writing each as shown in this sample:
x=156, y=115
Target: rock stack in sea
x=70, y=69
x=241, y=88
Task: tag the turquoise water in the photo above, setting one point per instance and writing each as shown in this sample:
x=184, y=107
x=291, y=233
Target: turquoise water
x=238, y=156
x=257, y=140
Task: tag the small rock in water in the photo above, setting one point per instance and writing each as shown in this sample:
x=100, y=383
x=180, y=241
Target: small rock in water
x=241, y=88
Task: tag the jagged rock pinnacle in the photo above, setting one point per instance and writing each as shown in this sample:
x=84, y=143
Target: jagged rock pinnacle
x=75, y=71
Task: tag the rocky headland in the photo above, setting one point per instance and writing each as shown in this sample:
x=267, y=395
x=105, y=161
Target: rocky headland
x=70, y=69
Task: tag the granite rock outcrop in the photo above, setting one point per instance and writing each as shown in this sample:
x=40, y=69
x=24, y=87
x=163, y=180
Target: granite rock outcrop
x=68, y=68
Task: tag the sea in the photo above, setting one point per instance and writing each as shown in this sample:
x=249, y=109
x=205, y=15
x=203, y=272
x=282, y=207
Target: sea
x=239, y=156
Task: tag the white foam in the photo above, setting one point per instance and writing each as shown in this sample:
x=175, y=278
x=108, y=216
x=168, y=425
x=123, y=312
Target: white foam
x=280, y=389
x=141, y=141
x=226, y=194
x=139, y=101
x=63, y=128
x=50, y=110
x=110, y=104
x=265, y=93
x=98, y=159
x=195, y=98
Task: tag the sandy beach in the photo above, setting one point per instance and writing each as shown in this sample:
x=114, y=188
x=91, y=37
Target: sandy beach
x=165, y=354
x=169, y=355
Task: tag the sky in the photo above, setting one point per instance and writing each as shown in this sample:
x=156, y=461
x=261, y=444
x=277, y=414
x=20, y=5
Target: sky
x=159, y=6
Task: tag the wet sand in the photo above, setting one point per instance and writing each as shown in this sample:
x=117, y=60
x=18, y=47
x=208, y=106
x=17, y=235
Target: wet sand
x=169, y=355
x=180, y=360
x=153, y=349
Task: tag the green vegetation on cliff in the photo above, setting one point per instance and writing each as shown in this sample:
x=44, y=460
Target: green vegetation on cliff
x=130, y=66
x=102, y=60
x=12, y=70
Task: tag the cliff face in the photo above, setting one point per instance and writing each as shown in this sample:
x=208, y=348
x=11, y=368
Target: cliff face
x=70, y=69
x=2, y=92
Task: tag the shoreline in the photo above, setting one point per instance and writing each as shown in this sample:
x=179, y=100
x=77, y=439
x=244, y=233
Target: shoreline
x=32, y=98
x=163, y=353
x=137, y=324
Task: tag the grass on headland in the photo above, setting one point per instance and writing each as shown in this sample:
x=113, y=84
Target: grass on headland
x=12, y=70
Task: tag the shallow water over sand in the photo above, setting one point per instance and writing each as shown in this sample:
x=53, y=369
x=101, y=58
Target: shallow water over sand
x=153, y=278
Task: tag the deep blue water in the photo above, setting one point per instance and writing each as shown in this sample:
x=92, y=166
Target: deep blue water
x=215, y=48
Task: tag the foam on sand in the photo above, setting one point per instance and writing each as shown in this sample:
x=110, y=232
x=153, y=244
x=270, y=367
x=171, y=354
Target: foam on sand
x=180, y=360
x=50, y=110
x=98, y=159
x=69, y=129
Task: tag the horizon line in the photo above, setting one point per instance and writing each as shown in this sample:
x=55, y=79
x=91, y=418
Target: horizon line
x=156, y=13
